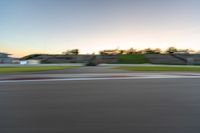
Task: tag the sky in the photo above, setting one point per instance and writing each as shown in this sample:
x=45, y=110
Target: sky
x=53, y=26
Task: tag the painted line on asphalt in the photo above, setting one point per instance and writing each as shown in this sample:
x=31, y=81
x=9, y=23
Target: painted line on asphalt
x=106, y=78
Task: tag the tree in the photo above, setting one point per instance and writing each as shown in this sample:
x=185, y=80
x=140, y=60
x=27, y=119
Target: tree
x=171, y=50
x=71, y=52
x=131, y=51
x=111, y=52
x=186, y=51
x=121, y=51
x=152, y=51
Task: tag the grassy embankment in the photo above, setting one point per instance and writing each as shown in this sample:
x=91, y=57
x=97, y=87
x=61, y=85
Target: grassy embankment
x=162, y=68
x=5, y=70
x=132, y=59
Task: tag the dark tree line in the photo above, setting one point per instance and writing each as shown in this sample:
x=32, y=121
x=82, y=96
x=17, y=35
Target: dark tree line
x=170, y=50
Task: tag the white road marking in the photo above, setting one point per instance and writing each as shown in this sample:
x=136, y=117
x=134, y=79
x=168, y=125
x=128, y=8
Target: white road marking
x=102, y=78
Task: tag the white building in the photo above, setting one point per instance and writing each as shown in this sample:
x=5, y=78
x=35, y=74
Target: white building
x=30, y=62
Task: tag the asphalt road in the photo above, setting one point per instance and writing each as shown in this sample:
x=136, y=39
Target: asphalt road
x=101, y=106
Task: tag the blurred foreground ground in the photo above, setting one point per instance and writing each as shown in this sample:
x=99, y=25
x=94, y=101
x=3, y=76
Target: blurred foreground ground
x=111, y=106
x=100, y=100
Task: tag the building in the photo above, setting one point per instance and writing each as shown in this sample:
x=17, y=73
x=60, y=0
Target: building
x=5, y=59
x=30, y=62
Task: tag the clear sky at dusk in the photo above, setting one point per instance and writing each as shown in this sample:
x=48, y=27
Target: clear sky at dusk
x=52, y=26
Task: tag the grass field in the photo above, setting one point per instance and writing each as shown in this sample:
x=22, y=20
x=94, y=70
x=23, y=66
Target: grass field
x=32, y=68
x=161, y=68
x=132, y=59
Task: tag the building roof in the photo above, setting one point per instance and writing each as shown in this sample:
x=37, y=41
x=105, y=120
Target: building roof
x=4, y=53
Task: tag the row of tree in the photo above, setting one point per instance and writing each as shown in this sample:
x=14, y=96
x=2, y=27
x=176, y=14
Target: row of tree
x=170, y=50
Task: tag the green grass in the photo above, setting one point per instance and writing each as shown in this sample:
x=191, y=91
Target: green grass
x=161, y=68
x=132, y=59
x=5, y=70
